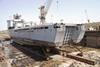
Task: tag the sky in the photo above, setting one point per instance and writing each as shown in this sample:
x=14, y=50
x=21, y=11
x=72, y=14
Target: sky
x=71, y=11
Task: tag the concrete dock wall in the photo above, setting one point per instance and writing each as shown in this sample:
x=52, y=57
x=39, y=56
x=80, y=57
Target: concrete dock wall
x=91, y=39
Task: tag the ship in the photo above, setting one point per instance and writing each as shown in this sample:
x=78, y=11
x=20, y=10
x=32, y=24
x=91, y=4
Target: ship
x=44, y=34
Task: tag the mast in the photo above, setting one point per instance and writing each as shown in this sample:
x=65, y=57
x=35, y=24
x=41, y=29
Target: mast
x=88, y=20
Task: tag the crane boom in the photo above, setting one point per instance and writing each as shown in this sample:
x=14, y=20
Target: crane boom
x=48, y=5
x=44, y=10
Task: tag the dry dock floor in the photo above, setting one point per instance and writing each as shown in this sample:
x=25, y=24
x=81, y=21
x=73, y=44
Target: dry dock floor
x=19, y=58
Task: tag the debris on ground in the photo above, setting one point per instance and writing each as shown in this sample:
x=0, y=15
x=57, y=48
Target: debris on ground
x=60, y=61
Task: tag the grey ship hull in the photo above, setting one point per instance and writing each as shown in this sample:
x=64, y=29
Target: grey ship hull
x=48, y=35
x=41, y=35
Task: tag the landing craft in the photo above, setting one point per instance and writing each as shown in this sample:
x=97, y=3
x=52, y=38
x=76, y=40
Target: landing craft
x=45, y=34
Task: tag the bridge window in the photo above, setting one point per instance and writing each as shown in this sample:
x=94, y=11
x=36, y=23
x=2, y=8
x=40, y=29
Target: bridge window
x=56, y=26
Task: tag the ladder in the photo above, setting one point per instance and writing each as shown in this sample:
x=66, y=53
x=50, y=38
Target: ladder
x=68, y=36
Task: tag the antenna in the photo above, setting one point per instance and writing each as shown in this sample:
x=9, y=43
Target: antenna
x=88, y=20
x=57, y=3
x=57, y=9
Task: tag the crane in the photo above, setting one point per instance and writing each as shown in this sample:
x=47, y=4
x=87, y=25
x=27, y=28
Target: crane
x=44, y=10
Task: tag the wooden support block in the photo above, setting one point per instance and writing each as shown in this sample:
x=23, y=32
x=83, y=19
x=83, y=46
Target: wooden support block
x=81, y=59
